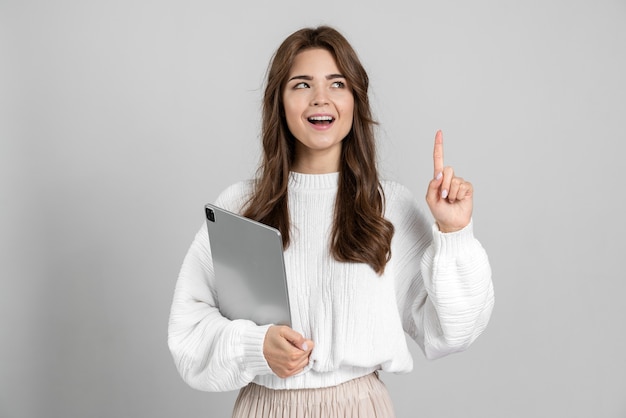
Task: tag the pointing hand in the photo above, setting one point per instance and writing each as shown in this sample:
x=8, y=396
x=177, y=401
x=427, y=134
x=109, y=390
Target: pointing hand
x=450, y=198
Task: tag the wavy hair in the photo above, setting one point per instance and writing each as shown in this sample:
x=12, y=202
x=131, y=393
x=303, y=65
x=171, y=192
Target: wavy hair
x=360, y=232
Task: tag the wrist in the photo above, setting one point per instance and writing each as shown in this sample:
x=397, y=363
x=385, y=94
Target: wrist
x=447, y=229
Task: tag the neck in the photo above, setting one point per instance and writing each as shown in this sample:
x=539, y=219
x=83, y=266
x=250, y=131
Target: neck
x=317, y=161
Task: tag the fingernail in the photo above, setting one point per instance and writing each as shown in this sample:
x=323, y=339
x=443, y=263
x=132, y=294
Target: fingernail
x=444, y=193
x=305, y=347
x=438, y=176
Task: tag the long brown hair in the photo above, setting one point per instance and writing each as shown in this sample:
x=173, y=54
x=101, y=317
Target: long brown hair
x=360, y=233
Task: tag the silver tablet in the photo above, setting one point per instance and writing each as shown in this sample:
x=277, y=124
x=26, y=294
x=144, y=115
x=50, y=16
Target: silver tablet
x=249, y=268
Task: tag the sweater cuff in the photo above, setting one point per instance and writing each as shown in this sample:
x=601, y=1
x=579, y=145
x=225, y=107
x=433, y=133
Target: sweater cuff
x=454, y=243
x=254, y=360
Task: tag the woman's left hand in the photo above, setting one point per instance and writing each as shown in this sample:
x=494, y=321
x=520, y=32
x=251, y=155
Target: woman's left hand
x=450, y=198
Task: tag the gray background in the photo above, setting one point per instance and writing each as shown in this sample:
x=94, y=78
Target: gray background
x=120, y=119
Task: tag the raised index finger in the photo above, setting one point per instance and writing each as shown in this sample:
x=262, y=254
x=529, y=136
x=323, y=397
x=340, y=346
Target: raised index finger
x=438, y=153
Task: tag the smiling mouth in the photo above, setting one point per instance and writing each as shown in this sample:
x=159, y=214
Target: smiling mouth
x=321, y=120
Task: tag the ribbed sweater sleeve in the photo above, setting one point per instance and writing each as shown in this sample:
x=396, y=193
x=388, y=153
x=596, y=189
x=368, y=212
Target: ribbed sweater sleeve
x=211, y=352
x=457, y=277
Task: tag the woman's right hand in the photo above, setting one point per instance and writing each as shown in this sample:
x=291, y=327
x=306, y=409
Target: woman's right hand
x=286, y=351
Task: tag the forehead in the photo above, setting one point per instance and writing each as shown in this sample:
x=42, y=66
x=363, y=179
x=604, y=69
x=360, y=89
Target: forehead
x=314, y=61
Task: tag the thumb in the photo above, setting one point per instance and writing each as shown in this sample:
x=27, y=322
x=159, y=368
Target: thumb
x=295, y=338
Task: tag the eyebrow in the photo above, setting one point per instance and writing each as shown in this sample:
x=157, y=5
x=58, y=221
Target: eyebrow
x=309, y=78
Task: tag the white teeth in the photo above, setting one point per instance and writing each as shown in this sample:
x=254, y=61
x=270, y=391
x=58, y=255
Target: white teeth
x=329, y=118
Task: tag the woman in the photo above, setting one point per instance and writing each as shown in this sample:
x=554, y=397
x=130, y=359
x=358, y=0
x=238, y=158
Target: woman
x=364, y=265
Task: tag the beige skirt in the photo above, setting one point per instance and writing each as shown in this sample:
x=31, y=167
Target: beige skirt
x=365, y=397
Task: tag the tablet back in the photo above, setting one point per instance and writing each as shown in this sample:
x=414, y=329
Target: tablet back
x=249, y=268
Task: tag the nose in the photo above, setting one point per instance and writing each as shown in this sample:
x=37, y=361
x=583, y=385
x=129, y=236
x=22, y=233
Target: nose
x=319, y=98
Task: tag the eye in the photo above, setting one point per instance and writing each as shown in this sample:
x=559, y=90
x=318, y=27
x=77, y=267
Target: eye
x=338, y=84
x=301, y=85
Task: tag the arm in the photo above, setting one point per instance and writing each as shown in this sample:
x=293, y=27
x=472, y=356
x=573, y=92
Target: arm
x=443, y=285
x=453, y=295
x=457, y=278
x=211, y=352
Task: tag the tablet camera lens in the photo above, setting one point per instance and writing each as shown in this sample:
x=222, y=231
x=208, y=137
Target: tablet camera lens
x=210, y=215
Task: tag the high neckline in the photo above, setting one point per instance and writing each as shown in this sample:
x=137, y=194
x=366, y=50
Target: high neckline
x=313, y=181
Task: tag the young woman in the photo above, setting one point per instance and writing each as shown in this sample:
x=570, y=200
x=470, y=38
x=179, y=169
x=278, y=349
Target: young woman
x=364, y=265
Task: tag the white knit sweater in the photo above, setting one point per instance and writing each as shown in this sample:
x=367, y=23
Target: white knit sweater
x=437, y=288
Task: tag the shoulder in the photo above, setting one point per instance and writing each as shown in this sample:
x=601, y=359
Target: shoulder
x=397, y=195
x=235, y=196
x=401, y=206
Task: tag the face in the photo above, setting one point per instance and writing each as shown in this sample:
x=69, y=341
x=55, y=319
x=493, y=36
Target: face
x=319, y=109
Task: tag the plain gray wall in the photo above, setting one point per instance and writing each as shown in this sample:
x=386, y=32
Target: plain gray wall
x=120, y=119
